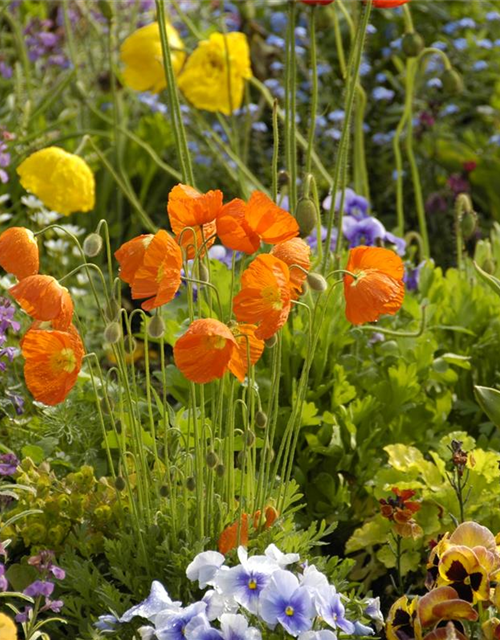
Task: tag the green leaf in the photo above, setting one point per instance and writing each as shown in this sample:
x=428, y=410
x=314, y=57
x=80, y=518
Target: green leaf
x=489, y=401
x=459, y=361
x=490, y=280
x=33, y=451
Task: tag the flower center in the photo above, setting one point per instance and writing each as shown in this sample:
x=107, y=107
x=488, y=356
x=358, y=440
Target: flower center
x=64, y=360
x=272, y=296
x=216, y=342
x=467, y=580
x=289, y=611
x=252, y=584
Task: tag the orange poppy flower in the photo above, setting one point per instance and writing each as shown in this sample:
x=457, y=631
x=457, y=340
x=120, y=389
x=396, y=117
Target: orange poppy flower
x=378, y=287
x=242, y=226
x=245, y=336
x=43, y=298
x=19, y=252
x=159, y=275
x=388, y=4
x=228, y=539
x=53, y=360
x=294, y=251
x=203, y=353
x=130, y=256
x=189, y=208
x=265, y=297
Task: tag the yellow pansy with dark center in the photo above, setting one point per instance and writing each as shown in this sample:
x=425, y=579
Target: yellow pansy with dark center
x=402, y=620
x=460, y=568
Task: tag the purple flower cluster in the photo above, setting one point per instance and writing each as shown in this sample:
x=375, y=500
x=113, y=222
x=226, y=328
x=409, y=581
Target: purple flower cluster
x=7, y=322
x=261, y=590
x=44, y=586
x=44, y=41
x=8, y=464
x=5, y=137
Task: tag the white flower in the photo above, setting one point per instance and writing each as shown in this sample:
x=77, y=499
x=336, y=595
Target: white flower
x=217, y=604
x=156, y=603
x=235, y=627
x=205, y=567
x=281, y=559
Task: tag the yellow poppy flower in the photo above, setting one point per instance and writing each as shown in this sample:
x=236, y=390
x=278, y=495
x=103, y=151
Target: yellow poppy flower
x=63, y=181
x=205, y=80
x=142, y=56
x=7, y=628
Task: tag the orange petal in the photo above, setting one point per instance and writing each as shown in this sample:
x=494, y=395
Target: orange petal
x=191, y=242
x=292, y=252
x=233, y=229
x=189, y=208
x=245, y=337
x=271, y=223
x=43, y=298
x=228, y=539
x=203, y=353
x=427, y=602
x=131, y=255
x=383, y=260
x=19, y=252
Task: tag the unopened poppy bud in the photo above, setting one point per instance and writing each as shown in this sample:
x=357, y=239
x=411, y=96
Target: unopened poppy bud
x=191, y=483
x=106, y=8
x=212, y=459
x=220, y=470
x=489, y=265
x=204, y=274
x=452, y=81
x=261, y=419
x=156, y=327
x=164, y=492
x=247, y=10
x=113, y=333
x=270, y=453
x=306, y=215
x=412, y=44
x=112, y=310
x=468, y=224
x=283, y=179
x=240, y=458
x=92, y=245
x=249, y=438
x=270, y=342
x=119, y=483
x=317, y=282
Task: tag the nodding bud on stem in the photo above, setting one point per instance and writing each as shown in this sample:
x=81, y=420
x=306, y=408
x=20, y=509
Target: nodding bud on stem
x=204, y=274
x=283, y=179
x=306, y=215
x=220, y=470
x=212, y=459
x=489, y=265
x=270, y=342
x=92, y=245
x=412, y=44
x=119, y=483
x=317, y=282
x=113, y=333
x=452, y=81
x=156, y=327
x=249, y=438
x=240, y=458
x=164, y=492
x=191, y=483
x=468, y=224
x=261, y=419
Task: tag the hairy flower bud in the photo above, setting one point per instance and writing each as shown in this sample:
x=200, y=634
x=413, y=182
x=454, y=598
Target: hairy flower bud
x=220, y=470
x=113, y=333
x=249, y=438
x=156, y=327
x=412, y=44
x=317, y=282
x=261, y=419
x=489, y=265
x=283, y=179
x=212, y=459
x=164, y=492
x=452, y=81
x=191, y=483
x=204, y=274
x=119, y=483
x=306, y=215
x=92, y=245
x=270, y=342
x=468, y=224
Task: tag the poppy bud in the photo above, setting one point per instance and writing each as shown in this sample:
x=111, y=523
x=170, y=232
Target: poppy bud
x=270, y=453
x=317, y=282
x=489, y=265
x=212, y=459
x=191, y=483
x=156, y=327
x=261, y=419
x=249, y=438
x=452, y=81
x=220, y=470
x=412, y=44
x=92, y=245
x=247, y=11
x=306, y=215
x=113, y=333
x=283, y=179
x=468, y=224
x=164, y=491
x=270, y=342
x=112, y=310
x=240, y=458
x=106, y=8
x=119, y=483
x=204, y=274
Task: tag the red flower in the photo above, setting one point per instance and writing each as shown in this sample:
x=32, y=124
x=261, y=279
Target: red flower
x=388, y=4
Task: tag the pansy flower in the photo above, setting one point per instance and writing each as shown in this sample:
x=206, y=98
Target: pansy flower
x=248, y=348
x=204, y=352
x=402, y=620
x=188, y=208
x=157, y=602
x=294, y=252
x=53, y=360
x=377, y=286
x=19, y=252
x=331, y=609
x=265, y=297
x=44, y=299
x=443, y=603
x=284, y=601
x=243, y=226
x=460, y=568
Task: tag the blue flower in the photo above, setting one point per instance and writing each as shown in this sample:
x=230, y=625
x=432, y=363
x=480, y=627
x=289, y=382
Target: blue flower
x=177, y=625
x=372, y=610
x=323, y=634
x=365, y=231
x=480, y=65
x=275, y=41
x=485, y=43
x=381, y=93
x=492, y=16
x=336, y=116
x=449, y=110
x=285, y=602
x=235, y=627
x=361, y=629
x=329, y=606
x=281, y=559
x=354, y=205
x=106, y=623
x=278, y=21
x=157, y=602
x=260, y=127
x=411, y=276
x=434, y=83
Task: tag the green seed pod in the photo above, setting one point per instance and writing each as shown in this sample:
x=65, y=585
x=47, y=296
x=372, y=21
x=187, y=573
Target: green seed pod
x=270, y=342
x=317, y=282
x=283, y=179
x=220, y=470
x=489, y=265
x=92, y=245
x=212, y=459
x=306, y=215
x=164, y=492
x=113, y=333
x=191, y=483
x=204, y=274
x=120, y=483
x=412, y=44
x=261, y=419
x=249, y=438
x=452, y=81
x=156, y=327
x=468, y=224
x=106, y=8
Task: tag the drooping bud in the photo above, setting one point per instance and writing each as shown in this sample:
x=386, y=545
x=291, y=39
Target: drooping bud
x=468, y=223
x=240, y=458
x=113, y=333
x=306, y=215
x=92, y=245
x=119, y=483
x=191, y=483
x=249, y=438
x=204, y=274
x=212, y=459
x=283, y=179
x=270, y=342
x=220, y=470
x=452, y=81
x=156, y=327
x=317, y=282
x=164, y=492
x=261, y=419
x=112, y=310
x=412, y=44
x=489, y=265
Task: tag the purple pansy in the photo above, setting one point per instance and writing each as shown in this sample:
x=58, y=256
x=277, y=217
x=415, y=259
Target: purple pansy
x=362, y=231
x=8, y=464
x=285, y=602
x=329, y=606
x=177, y=625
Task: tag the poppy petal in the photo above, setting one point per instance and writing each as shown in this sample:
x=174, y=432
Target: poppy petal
x=270, y=222
x=19, y=252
